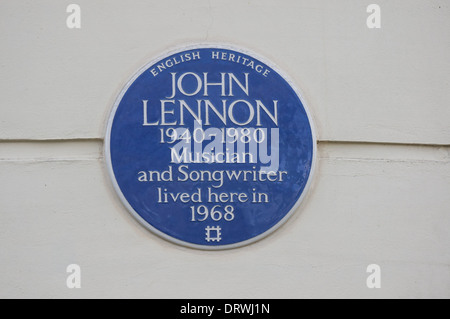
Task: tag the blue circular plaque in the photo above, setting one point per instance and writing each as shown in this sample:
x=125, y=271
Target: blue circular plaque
x=210, y=147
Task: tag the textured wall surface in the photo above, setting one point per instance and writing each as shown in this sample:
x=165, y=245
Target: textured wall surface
x=380, y=99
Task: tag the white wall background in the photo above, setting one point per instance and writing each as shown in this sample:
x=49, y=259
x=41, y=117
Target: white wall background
x=381, y=104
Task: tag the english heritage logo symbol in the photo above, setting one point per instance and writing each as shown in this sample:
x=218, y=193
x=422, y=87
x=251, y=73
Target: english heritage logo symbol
x=210, y=147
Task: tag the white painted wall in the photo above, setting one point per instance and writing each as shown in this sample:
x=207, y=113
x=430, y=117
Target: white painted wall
x=380, y=101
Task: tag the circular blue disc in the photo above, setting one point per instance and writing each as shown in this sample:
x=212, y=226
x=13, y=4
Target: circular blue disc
x=210, y=147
